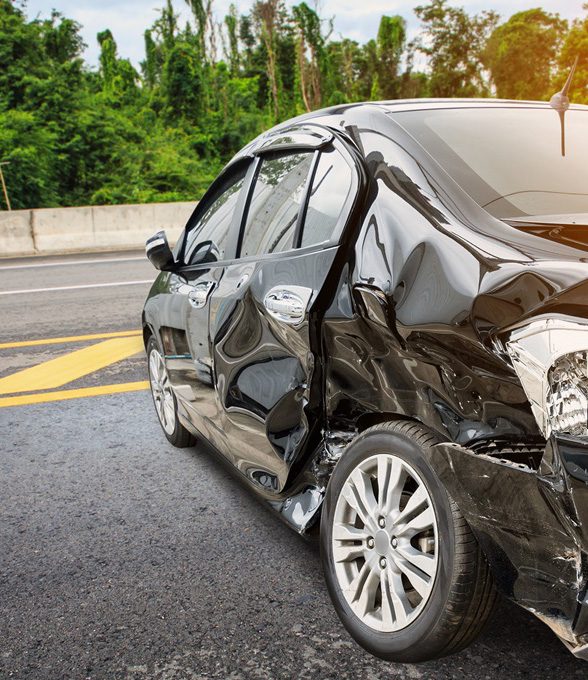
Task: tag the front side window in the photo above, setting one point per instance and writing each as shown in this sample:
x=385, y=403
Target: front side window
x=278, y=197
x=215, y=221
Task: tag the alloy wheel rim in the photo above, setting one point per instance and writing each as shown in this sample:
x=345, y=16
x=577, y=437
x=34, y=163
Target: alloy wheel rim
x=161, y=391
x=385, y=543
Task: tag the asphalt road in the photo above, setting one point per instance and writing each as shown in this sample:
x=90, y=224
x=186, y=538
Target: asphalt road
x=121, y=557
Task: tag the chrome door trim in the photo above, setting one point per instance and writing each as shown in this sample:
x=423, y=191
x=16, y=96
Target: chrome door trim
x=199, y=293
x=288, y=303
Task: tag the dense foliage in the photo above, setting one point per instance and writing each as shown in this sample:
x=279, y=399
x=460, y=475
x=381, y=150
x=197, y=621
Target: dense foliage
x=74, y=135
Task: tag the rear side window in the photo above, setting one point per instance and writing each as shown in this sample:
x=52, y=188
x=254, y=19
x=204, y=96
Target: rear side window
x=215, y=221
x=278, y=198
x=509, y=160
x=331, y=187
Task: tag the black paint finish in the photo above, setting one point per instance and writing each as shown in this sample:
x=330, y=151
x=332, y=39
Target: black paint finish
x=404, y=321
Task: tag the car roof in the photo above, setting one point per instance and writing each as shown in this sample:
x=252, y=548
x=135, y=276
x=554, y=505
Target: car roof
x=402, y=105
x=420, y=104
x=332, y=115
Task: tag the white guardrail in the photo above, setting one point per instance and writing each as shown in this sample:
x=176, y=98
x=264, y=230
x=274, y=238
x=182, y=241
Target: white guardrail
x=109, y=227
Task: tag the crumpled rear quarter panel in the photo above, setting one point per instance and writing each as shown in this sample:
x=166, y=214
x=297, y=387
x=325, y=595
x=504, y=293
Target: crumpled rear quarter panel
x=411, y=333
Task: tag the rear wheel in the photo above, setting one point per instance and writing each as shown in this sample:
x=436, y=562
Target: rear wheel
x=164, y=399
x=403, y=569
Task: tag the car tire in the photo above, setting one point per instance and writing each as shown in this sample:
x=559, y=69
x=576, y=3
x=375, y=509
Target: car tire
x=455, y=595
x=164, y=399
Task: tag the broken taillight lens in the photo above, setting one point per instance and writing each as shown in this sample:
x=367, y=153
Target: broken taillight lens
x=567, y=394
x=550, y=357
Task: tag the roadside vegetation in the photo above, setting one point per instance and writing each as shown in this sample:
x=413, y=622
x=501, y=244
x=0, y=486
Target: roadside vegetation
x=76, y=135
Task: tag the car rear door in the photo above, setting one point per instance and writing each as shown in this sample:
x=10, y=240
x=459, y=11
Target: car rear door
x=265, y=311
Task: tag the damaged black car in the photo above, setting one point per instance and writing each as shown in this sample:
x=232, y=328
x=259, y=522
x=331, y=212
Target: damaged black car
x=378, y=314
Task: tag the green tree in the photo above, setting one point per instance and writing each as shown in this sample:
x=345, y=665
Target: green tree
x=344, y=59
x=575, y=45
x=119, y=77
x=78, y=135
x=30, y=150
x=232, y=24
x=454, y=42
x=267, y=15
x=182, y=85
x=311, y=55
x=520, y=54
x=390, y=47
x=201, y=10
x=152, y=65
x=247, y=39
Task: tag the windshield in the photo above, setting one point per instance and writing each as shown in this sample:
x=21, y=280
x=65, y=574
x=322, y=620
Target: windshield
x=509, y=159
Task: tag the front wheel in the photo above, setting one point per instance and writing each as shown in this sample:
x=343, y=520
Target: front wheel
x=405, y=573
x=164, y=398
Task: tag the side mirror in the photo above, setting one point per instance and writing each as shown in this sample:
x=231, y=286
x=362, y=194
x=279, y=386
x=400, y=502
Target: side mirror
x=206, y=251
x=159, y=253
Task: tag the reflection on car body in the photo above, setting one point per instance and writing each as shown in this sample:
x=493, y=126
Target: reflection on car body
x=391, y=335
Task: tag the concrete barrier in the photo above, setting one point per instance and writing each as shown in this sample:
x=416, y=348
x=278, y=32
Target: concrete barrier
x=113, y=227
x=16, y=234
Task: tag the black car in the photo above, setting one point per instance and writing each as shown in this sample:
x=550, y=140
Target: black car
x=378, y=314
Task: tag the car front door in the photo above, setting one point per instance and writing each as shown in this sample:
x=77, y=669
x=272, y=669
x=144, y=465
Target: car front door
x=265, y=311
x=210, y=241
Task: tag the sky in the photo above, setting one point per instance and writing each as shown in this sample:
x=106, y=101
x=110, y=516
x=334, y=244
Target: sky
x=128, y=19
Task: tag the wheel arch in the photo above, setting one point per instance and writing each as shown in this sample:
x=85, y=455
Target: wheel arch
x=371, y=418
x=148, y=332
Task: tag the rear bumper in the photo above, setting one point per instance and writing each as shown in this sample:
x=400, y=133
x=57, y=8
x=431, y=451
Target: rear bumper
x=533, y=527
x=572, y=454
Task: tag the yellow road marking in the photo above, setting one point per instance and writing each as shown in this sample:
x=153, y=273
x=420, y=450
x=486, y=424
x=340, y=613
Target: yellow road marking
x=63, y=395
x=64, y=369
x=71, y=338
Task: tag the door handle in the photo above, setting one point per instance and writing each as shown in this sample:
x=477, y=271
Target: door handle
x=200, y=293
x=288, y=303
